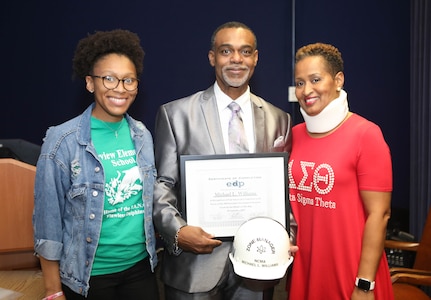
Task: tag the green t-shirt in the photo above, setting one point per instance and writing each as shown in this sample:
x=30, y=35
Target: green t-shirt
x=122, y=237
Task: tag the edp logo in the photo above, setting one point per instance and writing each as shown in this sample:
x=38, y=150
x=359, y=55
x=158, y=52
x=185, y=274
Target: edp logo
x=235, y=183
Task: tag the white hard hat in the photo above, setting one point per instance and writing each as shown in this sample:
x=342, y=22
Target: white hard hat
x=261, y=249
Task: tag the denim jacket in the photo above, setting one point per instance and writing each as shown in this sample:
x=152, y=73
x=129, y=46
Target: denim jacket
x=69, y=197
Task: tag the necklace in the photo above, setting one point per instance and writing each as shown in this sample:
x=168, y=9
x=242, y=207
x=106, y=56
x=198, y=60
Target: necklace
x=115, y=131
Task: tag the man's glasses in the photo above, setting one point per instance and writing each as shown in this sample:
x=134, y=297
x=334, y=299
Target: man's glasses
x=112, y=82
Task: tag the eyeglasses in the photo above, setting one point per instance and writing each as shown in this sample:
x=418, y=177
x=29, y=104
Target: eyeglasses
x=112, y=82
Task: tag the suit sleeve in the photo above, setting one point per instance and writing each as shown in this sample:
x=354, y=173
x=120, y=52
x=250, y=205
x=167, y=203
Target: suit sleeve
x=288, y=135
x=167, y=213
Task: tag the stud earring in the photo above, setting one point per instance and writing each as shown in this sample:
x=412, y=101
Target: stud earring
x=338, y=89
x=91, y=91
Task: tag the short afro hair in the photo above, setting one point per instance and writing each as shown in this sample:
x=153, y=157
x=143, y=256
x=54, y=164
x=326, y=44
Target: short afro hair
x=101, y=43
x=329, y=53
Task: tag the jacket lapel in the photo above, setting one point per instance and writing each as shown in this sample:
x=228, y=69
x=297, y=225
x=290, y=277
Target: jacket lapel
x=259, y=123
x=212, y=120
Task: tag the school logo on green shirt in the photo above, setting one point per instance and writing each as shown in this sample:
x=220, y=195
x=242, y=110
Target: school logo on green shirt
x=122, y=187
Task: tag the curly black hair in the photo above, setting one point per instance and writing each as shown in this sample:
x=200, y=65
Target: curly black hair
x=93, y=47
x=330, y=54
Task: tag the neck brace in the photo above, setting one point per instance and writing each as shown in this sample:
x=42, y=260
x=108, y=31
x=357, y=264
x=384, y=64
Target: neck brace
x=330, y=117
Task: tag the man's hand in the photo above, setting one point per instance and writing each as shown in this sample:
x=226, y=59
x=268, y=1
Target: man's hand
x=293, y=249
x=194, y=239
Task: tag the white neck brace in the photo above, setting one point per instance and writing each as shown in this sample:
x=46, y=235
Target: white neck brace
x=330, y=117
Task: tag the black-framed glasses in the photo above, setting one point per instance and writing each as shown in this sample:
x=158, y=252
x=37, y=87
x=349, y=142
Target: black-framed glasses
x=111, y=82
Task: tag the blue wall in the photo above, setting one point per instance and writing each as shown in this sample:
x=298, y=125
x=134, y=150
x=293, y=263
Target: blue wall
x=38, y=40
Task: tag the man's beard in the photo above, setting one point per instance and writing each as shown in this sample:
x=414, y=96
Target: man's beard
x=236, y=81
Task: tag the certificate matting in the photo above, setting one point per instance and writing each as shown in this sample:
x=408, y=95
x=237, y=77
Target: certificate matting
x=220, y=192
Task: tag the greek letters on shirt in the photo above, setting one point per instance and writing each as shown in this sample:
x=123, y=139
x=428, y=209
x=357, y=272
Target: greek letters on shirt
x=316, y=180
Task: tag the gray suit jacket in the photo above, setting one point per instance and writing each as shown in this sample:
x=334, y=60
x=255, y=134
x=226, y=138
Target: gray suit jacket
x=191, y=126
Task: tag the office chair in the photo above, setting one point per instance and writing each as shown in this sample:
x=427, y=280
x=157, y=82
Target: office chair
x=407, y=282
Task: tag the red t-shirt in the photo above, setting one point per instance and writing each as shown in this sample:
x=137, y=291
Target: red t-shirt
x=325, y=177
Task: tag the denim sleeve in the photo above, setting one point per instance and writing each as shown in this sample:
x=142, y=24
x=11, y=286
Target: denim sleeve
x=50, y=250
x=49, y=201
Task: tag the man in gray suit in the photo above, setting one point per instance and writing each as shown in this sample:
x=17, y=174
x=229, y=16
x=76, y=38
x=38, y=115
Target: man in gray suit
x=195, y=265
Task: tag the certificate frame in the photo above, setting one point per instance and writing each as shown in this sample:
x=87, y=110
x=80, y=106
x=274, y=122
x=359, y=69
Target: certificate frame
x=220, y=192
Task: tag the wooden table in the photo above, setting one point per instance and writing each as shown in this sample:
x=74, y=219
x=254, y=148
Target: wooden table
x=28, y=283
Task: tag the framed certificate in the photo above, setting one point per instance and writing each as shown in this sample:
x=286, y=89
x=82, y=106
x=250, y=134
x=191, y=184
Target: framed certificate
x=221, y=192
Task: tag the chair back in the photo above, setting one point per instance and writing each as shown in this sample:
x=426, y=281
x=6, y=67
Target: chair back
x=423, y=254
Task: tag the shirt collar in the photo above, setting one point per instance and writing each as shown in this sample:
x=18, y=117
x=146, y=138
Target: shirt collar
x=224, y=100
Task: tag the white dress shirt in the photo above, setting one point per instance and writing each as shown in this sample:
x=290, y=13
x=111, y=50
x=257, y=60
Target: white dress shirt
x=225, y=113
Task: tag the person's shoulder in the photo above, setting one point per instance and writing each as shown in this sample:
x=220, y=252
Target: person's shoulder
x=265, y=104
x=136, y=124
x=56, y=134
x=361, y=121
x=187, y=98
x=184, y=104
x=363, y=126
x=65, y=126
x=299, y=127
x=74, y=123
x=202, y=94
